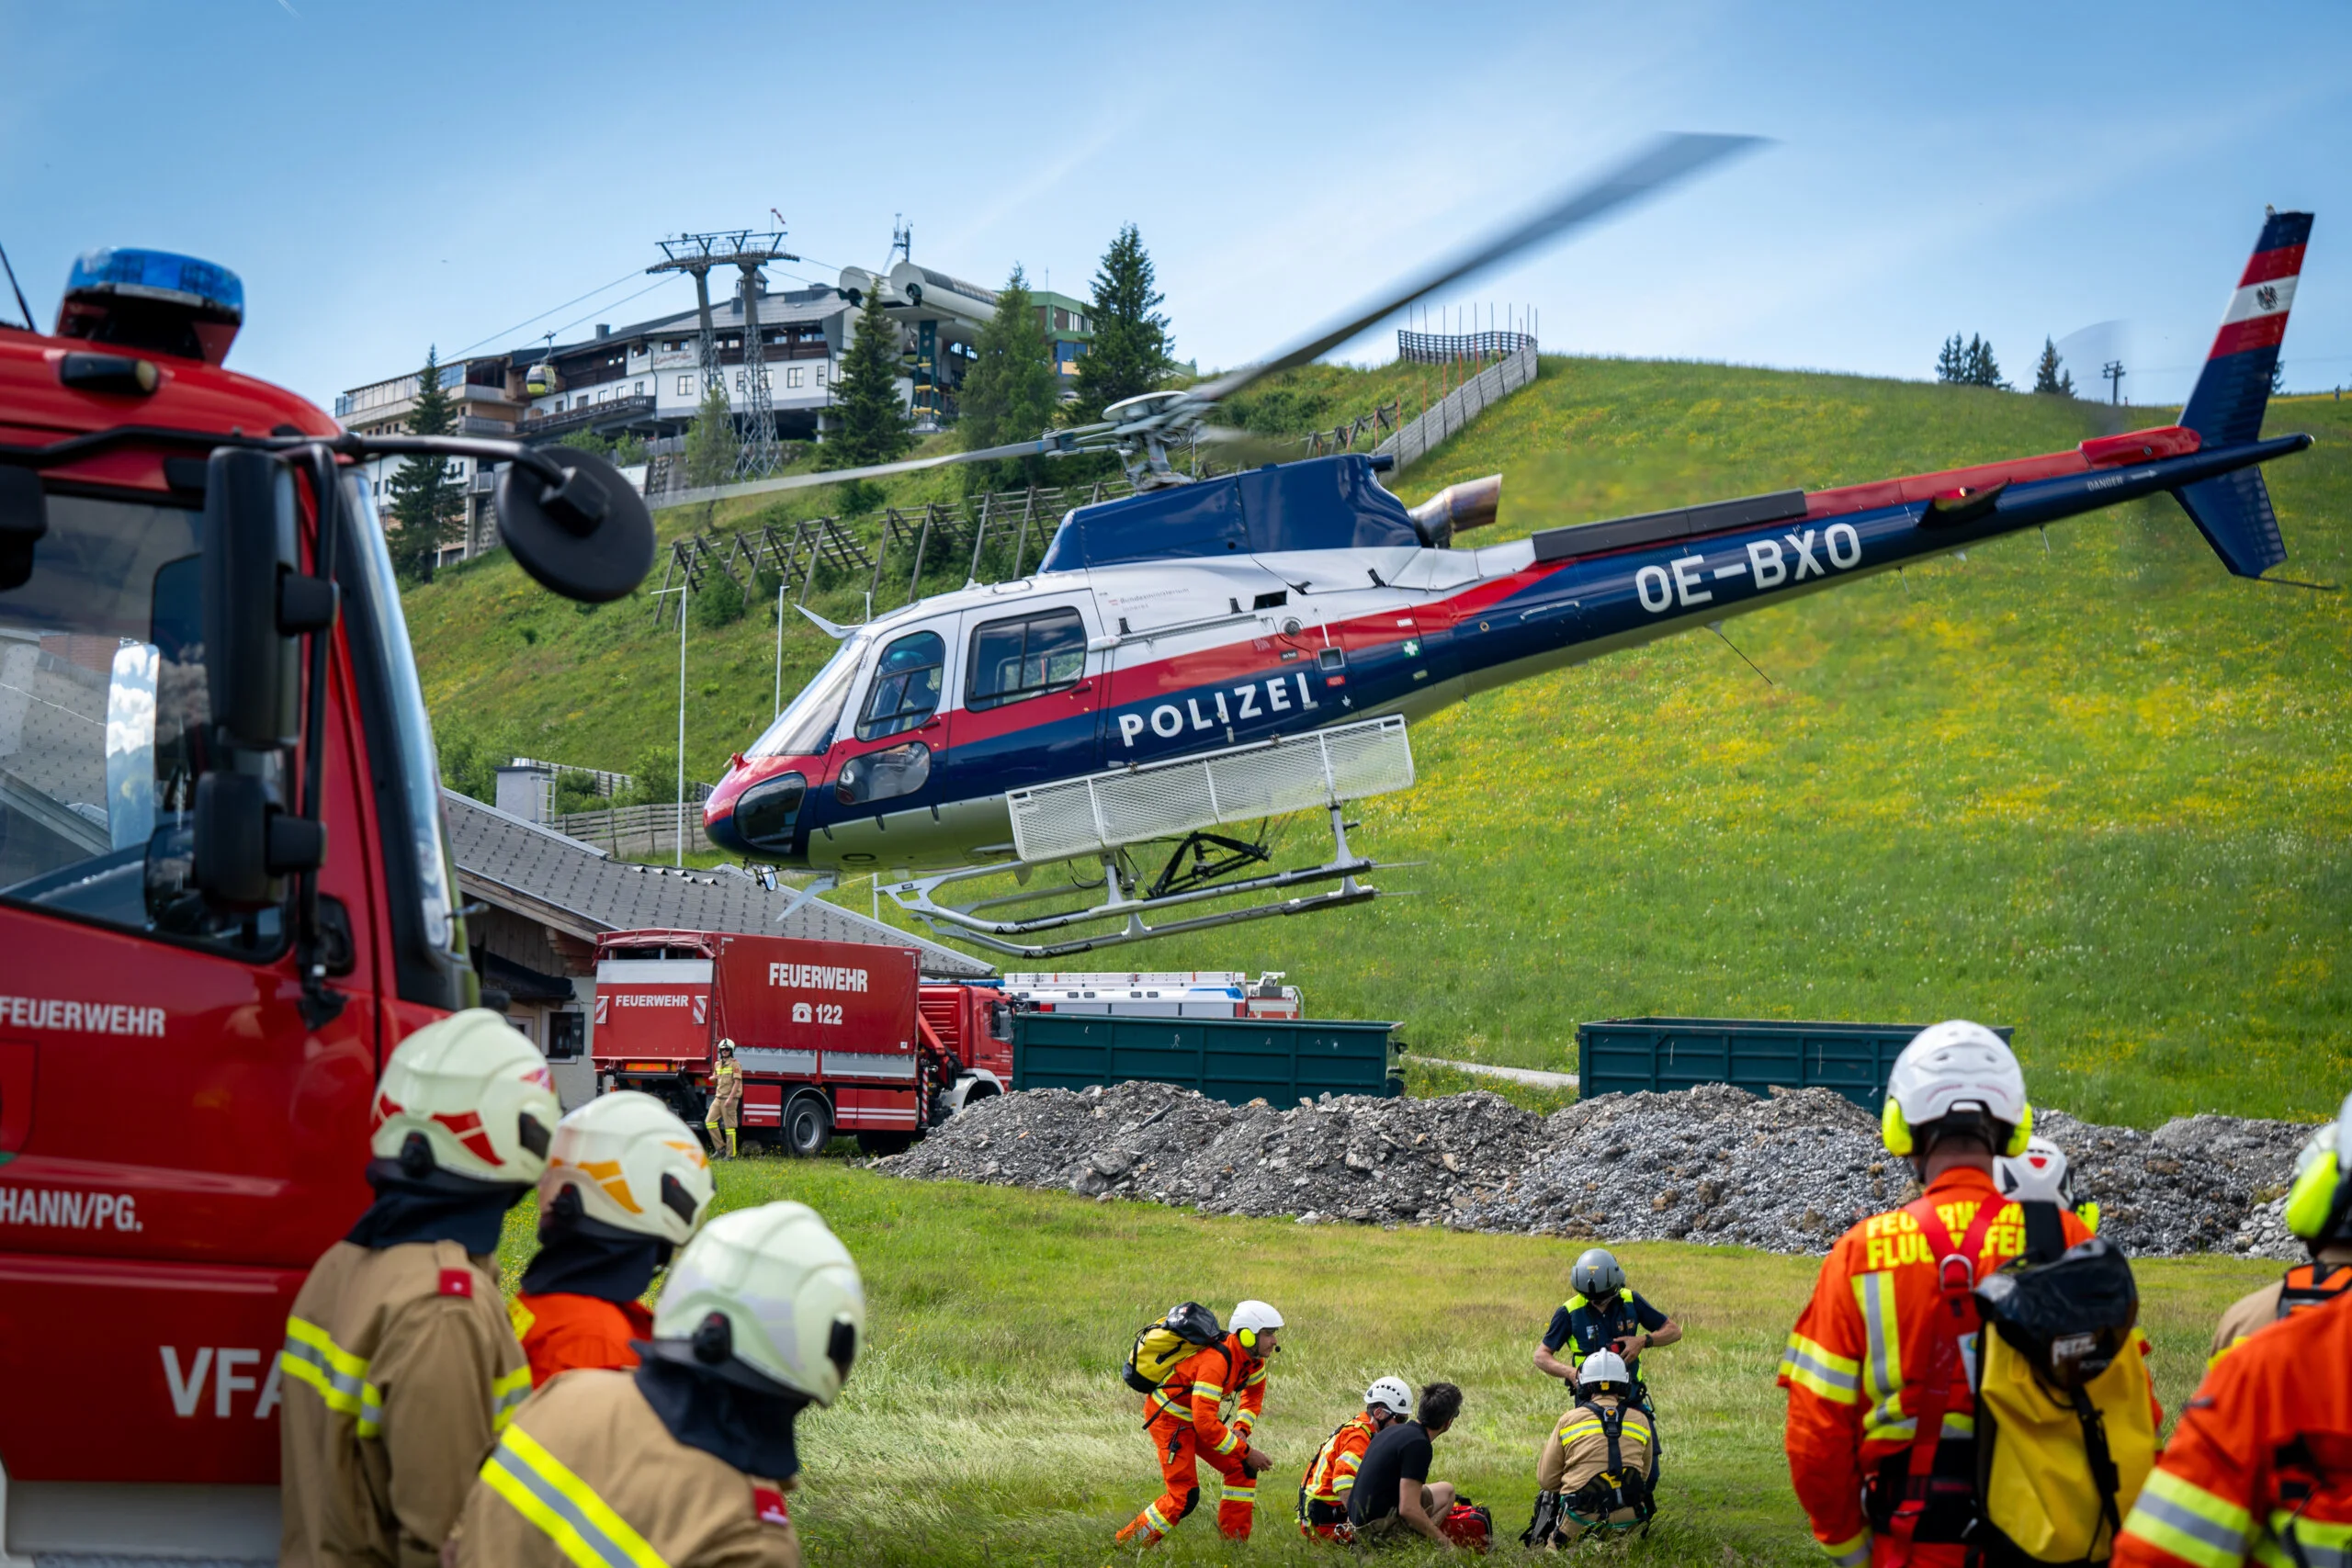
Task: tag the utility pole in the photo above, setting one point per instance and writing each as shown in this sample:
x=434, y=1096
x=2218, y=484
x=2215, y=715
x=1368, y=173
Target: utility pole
x=2113, y=371
x=679, y=844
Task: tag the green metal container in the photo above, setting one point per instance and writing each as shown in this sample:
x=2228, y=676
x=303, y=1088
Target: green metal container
x=1233, y=1059
x=1620, y=1055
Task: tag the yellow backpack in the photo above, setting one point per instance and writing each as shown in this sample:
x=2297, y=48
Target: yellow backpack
x=2065, y=1432
x=1162, y=1345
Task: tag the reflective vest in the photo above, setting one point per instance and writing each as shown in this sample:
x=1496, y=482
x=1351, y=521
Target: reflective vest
x=398, y=1373
x=1331, y=1474
x=1856, y=1361
x=587, y=1476
x=1196, y=1394
x=2261, y=1463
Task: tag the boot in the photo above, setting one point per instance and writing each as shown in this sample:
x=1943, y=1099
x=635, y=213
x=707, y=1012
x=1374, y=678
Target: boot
x=716, y=1153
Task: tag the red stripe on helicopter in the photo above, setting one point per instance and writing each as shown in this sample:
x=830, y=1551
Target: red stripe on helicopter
x=2287, y=261
x=2256, y=331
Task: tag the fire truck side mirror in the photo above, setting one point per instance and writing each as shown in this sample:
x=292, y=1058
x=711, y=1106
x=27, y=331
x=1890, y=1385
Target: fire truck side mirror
x=24, y=518
x=589, y=539
x=250, y=529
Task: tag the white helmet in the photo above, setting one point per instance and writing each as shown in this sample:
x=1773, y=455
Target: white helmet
x=1950, y=1067
x=634, y=1165
x=772, y=1290
x=1393, y=1393
x=2039, y=1175
x=2320, y=1195
x=1603, y=1368
x=476, y=1093
x=1251, y=1318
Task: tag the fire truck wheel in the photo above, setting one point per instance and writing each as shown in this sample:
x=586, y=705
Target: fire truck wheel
x=807, y=1124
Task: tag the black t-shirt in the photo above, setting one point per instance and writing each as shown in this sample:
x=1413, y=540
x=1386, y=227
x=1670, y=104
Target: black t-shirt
x=1399, y=1453
x=1595, y=1324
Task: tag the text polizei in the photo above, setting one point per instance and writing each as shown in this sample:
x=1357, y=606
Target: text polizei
x=1253, y=699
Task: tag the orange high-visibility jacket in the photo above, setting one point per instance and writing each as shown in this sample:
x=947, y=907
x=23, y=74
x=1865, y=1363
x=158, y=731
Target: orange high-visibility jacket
x=1868, y=1329
x=561, y=1331
x=2261, y=1463
x=1196, y=1391
x=1331, y=1474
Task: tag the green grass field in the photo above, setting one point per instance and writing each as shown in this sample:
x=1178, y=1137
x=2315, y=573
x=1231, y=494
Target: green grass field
x=986, y=1424
x=2093, y=788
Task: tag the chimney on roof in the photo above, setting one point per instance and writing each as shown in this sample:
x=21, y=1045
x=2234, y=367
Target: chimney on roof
x=604, y=329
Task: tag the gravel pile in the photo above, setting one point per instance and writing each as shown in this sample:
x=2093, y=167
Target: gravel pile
x=1714, y=1164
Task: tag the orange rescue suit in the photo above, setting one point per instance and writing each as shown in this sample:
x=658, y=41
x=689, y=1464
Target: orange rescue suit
x=1185, y=1417
x=1855, y=1365
x=1330, y=1477
x=2261, y=1463
x=560, y=1331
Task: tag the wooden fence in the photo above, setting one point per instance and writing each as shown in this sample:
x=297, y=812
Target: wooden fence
x=634, y=832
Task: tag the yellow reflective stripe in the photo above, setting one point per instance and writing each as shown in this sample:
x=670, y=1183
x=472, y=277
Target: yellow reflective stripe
x=1230, y=1441
x=1240, y=1490
x=1882, y=1364
x=1815, y=1367
x=2180, y=1517
x=539, y=1486
x=507, y=1395
x=1577, y=1428
x=1852, y=1554
x=371, y=1411
x=311, y=1356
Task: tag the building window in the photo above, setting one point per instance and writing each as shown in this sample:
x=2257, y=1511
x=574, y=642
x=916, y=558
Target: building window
x=792, y=375
x=604, y=393
x=820, y=375
x=685, y=385
x=640, y=389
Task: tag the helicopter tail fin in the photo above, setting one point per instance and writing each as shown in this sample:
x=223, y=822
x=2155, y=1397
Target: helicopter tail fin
x=2233, y=511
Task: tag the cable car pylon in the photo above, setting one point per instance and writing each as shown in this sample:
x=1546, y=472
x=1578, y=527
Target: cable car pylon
x=757, y=454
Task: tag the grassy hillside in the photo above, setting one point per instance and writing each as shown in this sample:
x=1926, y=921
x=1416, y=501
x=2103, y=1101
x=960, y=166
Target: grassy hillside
x=985, y=1422
x=2095, y=789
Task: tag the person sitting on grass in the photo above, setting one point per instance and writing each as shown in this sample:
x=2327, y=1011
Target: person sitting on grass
x=1393, y=1493
x=1594, y=1471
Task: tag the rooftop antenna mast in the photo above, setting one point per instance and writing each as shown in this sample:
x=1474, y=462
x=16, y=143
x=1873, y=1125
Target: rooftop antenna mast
x=902, y=237
x=748, y=251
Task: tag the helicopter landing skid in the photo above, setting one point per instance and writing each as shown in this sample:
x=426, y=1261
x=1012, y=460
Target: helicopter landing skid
x=968, y=924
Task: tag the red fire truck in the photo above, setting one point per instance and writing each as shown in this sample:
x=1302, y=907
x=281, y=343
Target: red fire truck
x=828, y=1034
x=224, y=894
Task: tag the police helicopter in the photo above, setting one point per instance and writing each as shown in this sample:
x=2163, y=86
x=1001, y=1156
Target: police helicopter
x=1211, y=653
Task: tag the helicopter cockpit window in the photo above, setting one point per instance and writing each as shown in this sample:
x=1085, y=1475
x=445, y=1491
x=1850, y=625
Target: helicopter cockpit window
x=1016, y=660
x=805, y=729
x=906, y=685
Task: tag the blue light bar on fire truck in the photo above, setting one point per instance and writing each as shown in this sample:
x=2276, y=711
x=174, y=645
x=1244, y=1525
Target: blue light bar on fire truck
x=153, y=300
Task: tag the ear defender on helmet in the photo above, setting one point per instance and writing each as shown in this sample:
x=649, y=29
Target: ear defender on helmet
x=1249, y=1338
x=1893, y=1130
x=2021, y=1135
x=2318, y=1201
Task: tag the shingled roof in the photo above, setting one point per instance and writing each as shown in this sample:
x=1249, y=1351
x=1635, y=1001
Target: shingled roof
x=579, y=889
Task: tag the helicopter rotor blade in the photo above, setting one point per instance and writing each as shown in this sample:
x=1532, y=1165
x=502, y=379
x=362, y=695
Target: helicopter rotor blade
x=1656, y=166
x=1244, y=448
x=1060, y=443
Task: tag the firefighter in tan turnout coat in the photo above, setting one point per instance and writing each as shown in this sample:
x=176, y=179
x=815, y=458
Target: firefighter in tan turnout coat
x=684, y=1462
x=400, y=1368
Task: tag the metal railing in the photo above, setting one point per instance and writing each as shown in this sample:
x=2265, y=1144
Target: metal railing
x=1458, y=408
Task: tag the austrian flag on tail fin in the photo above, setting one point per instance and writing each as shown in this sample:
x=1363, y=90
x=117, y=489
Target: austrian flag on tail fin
x=2234, y=511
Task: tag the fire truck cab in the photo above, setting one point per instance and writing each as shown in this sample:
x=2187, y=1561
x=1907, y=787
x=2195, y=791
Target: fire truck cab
x=225, y=893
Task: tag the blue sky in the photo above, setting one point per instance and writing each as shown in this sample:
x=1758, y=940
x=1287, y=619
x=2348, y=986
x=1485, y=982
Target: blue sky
x=394, y=176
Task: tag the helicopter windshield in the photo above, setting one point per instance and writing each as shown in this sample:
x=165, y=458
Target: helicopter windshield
x=805, y=729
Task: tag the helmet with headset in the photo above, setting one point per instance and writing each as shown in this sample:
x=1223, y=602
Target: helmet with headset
x=2319, y=1200
x=767, y=1297
x=466, y=1096
x=1250, y=1320
x=1394, y=1393
x=1956, y=1076
x=625, y=1162
x=1596, y=1274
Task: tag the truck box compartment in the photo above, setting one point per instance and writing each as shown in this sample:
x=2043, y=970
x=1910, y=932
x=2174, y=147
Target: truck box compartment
x=1625, y=1056
x=1233, y=1059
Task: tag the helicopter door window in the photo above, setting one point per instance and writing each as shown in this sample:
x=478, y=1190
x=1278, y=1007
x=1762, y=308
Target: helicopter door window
x=906, y=685
x=1013, y=660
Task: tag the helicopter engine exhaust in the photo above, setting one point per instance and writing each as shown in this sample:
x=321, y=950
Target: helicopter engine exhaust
x=1473, y=504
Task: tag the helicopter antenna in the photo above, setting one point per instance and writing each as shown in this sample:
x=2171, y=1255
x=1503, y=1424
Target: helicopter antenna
x=10, y=268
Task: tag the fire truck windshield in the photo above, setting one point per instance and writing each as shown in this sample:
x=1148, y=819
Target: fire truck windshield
x=420, y=781
x=103, y=711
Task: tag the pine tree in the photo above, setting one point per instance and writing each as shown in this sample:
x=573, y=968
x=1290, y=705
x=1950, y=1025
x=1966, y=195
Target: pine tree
x=872, y=416
x=1011, y=392
x=2049, y=376
x=428, y=507
x=1981, y=369
x=710, y=442
x=1130, y=351
x=1951, y=361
